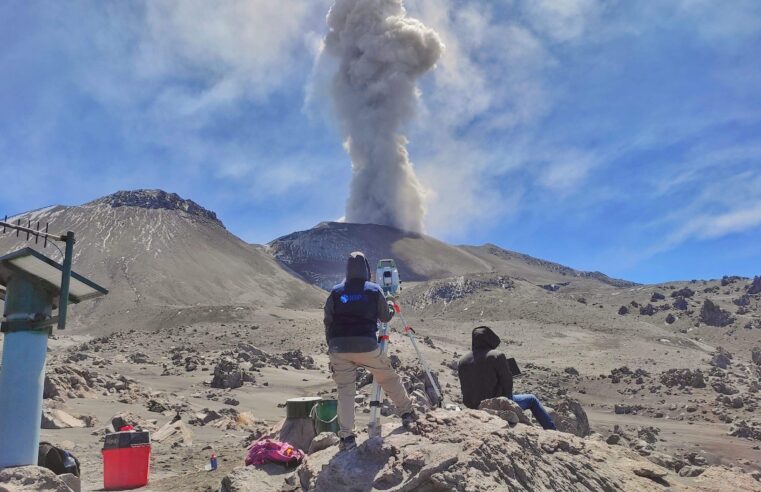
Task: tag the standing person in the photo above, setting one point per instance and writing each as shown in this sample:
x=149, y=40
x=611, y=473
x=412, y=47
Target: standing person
x=484, y=373
x=352, y=312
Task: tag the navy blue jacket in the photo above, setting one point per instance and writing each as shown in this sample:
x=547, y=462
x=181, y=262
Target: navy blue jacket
x=353, y=309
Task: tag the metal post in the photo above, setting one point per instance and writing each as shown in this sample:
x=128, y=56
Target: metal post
x=63, y=301
x=22, y=375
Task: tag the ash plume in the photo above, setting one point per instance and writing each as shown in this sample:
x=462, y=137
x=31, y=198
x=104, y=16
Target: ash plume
x=381, y=53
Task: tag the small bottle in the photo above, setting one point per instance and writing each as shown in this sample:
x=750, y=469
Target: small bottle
x=213, y=461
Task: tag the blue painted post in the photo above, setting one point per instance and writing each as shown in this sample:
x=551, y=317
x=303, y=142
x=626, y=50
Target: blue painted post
x=22, y=375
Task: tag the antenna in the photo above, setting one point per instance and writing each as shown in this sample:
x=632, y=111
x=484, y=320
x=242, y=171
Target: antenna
x=68, y=239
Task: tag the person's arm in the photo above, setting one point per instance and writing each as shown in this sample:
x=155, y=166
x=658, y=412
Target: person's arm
x=504, y=376
x=385, y=312
x=328, y=316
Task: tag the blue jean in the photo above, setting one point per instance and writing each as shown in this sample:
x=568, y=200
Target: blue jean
x=531, y=402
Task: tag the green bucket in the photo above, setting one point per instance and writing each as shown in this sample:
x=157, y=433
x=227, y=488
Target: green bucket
x=326, y=416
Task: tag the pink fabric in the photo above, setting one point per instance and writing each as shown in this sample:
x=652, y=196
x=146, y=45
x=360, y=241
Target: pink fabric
x=271, y=451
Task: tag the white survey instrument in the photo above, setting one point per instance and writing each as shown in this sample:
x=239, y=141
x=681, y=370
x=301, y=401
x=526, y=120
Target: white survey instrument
x=388, y=279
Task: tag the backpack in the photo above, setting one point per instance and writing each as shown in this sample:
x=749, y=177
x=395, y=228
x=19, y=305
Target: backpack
x=271, y=451
x=57, y=460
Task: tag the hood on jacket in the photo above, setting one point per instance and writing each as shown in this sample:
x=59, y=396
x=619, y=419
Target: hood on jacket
x=485, y=339
x=357, y=267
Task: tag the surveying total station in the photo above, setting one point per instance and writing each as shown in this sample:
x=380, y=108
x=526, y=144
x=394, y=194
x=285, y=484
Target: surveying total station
x=387, y=276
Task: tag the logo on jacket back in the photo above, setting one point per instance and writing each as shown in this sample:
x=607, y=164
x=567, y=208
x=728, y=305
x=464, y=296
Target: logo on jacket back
x=347, y=298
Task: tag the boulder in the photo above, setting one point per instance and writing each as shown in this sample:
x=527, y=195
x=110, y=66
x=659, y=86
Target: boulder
x=174, y=434
x=58, y=419
x=683, y=378
x=31, y=479
x=721, y=358
x=648, y=310
x=684, y=293
x=755, y=355
x=229, y=374
x=623, y=310
x=713, y=315
x=670, y=319
x=570, y=417
x=298, y=433
x=264, y=478
x=681, y=304
x=755, y=286
x=506, y=409
x=322, y=441
x=473, y=450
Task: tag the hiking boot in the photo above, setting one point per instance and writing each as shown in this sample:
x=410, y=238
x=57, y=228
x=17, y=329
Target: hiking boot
x=347, y=443
x=409, y=421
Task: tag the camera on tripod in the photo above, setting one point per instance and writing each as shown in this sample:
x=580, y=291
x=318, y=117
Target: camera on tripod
x=387, y=276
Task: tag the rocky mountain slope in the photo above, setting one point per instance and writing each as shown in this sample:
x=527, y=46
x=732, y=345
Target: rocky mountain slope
x=165, y=260
x=319, y=254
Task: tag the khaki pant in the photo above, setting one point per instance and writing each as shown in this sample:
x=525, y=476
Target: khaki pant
x=345, y=375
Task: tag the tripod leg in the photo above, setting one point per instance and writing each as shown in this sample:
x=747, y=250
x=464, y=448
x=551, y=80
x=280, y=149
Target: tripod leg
x=410, y=333
x=373, y=428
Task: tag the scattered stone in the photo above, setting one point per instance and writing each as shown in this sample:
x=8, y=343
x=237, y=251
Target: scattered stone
x=623, y=310
x=231, y=401
x=613, y=439
x=683, y=378
x=745, y=430
x=670, y=319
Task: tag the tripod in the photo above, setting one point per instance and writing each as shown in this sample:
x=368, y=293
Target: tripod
x=373, y=427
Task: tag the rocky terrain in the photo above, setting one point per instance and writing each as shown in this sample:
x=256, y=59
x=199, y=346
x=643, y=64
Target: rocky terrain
x=203, y=338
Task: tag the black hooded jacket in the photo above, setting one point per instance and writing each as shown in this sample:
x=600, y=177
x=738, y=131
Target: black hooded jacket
x=484, y=372
x=353, y=309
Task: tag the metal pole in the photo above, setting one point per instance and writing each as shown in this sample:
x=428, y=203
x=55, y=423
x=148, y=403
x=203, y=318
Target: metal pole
x=374, y=428
x=63, y=300
x=23, y=372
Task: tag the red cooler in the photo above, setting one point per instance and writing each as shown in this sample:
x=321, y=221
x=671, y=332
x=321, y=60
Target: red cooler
x=126, y=460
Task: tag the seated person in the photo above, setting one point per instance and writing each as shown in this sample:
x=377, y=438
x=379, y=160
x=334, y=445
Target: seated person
x=484, y=373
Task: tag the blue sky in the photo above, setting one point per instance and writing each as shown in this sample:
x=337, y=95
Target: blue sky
x=606, y=135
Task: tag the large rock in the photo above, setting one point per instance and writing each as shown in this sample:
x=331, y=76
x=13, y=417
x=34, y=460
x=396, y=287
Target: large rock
x=755, y=355
x=506, y=409
x=475, y=451
x=31, y=478
x=298, y=433
x=322, y=441
x=174, y=434
x=755, y=286
x=713, y=315
x=58, y=419
x=721, y=358
x=229, y=374
x=264, y=478
x=570, y=417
